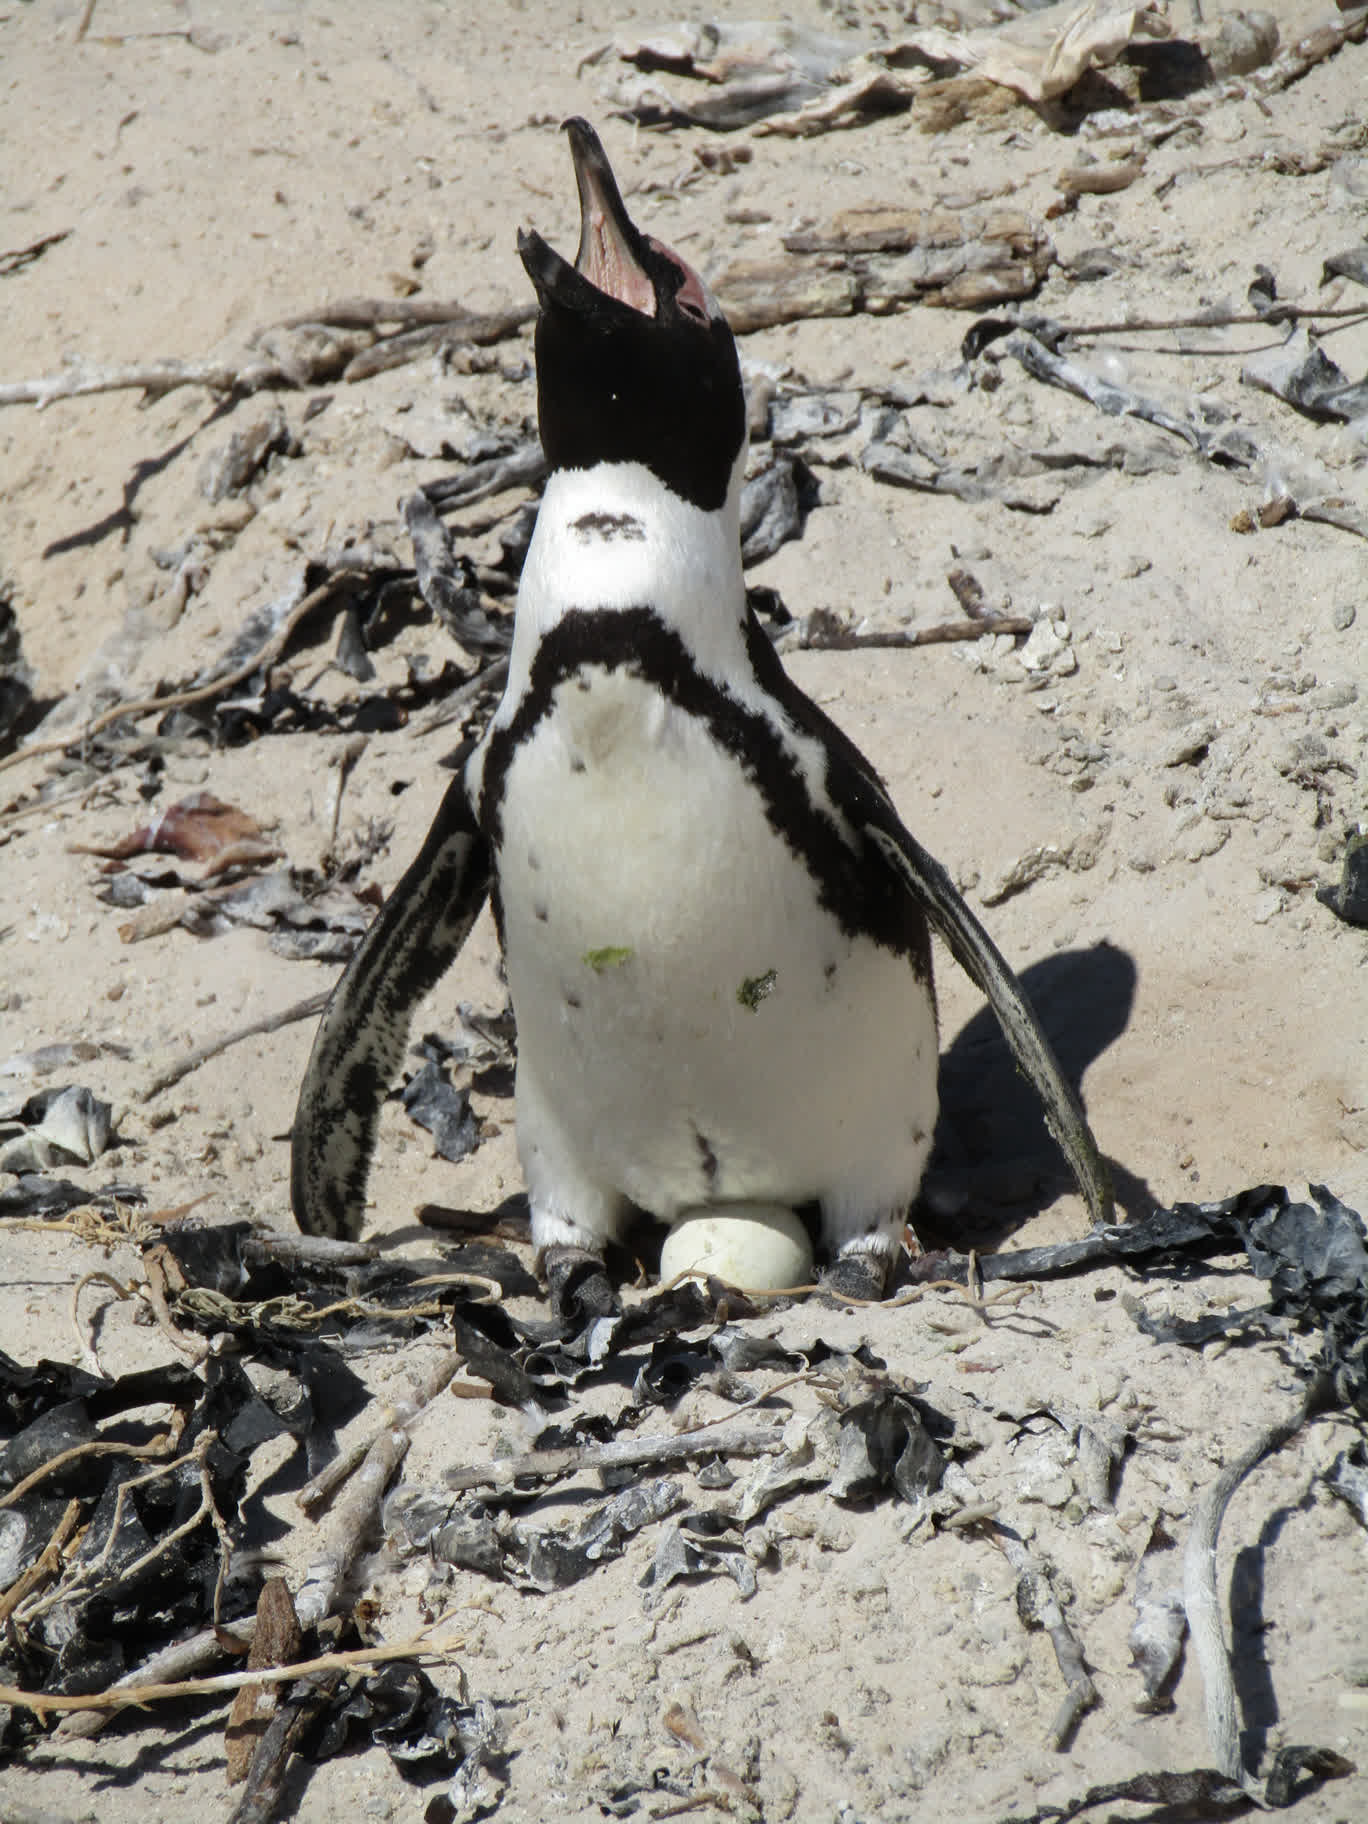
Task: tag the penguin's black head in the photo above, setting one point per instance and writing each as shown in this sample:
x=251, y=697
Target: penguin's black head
x=635, y=362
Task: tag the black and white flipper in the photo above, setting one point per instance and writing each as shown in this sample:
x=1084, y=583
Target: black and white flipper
x=361, y=1037
x=981, y=960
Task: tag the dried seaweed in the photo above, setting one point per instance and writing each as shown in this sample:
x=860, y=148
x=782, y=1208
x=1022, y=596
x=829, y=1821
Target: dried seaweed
x=1313, y=1255
x=1302, y=374
x=69, y=1126
x=1160, y=1625
x=435, y=1103
x=1198, y=1792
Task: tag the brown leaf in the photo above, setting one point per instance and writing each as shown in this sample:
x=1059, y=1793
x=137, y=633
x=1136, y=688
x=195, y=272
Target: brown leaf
x=197, y=828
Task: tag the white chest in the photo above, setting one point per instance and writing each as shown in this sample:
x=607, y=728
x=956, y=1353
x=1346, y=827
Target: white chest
x=695, y=1023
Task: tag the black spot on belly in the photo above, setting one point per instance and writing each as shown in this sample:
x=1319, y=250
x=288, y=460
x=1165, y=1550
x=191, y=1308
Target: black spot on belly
x=576, y=763
x=541, y=914
x=830, y=972
x=533, y=860
x=572, y=1000
x=608, y=526
x=708, y=1155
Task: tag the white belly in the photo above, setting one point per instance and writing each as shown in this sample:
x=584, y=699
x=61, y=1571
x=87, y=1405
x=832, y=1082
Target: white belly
x=693, y=1028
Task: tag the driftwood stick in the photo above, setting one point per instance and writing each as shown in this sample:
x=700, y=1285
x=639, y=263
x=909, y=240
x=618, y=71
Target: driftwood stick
x=270, y=1022
x=352, y=1525
x=367, y=313
x=80, y=378
x=1199, y=1586
x=827, y=638
x=264, y=1795
x=730, y=1438
x=400, y=1414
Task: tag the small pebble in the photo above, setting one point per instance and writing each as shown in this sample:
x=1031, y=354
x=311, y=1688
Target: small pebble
x=1343, y=617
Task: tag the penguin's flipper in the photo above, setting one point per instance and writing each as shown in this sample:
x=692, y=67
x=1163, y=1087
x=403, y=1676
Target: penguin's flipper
x=985, y=965
x=361, y=1037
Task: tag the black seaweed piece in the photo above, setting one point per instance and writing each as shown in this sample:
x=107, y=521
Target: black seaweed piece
x=434, y=1102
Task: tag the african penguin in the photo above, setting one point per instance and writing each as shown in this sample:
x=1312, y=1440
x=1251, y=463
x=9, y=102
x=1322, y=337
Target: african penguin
x=714, y=925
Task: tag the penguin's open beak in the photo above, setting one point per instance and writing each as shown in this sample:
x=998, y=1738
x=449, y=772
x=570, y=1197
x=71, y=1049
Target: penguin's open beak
x=609, y=263
x=609, y=245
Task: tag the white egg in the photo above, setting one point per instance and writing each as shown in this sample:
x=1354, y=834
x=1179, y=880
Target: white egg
x=762, y=1246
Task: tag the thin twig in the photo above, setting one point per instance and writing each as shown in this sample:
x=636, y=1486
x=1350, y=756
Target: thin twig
x=1216, y=319
x=727, y=1438
x=128, y=1573
x=489, y=677
x=47, y=1564
x=265, y=654
x=270, y=1022
x=93, y=1447
x=14, y=259
x=366, y=313
x=343, y=762
x=125, y=1697
x=826, y=638
x=1080, y=1691
x=97, y=1277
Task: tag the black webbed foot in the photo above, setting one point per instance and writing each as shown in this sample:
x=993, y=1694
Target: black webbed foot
x=580, y=1288
x=862, y=1275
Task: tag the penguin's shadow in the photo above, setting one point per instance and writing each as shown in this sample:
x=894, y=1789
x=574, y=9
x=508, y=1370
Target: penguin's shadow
x=994, y=1163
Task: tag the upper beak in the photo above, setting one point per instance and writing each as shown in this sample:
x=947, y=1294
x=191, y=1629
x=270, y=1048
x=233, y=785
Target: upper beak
x=607, y=262
x=607, y=245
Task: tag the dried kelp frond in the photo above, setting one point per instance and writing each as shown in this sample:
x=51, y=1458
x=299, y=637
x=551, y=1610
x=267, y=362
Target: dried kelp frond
x=699, y=1545
x=36, y=1198
x=1302, y=374
x=774, y=503
x=425, y=1733
x=1160, y=1625
x=158, y=1504
x=1313, y=1254
x=1347, y=898
x=435, y=1103
x=555, y=1560
x=63, y=1127
x=449, y=585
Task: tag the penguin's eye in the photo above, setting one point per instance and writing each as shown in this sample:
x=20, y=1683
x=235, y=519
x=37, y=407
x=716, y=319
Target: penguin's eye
x=695, y=311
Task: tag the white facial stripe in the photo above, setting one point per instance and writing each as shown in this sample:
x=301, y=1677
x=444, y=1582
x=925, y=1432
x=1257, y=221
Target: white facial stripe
x=682, y=562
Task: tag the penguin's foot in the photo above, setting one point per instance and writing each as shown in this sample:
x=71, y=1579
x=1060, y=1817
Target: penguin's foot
x=862, y=1274
x=580, y=1288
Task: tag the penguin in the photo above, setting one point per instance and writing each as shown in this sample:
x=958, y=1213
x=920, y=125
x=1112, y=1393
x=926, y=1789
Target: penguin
x=715, y=927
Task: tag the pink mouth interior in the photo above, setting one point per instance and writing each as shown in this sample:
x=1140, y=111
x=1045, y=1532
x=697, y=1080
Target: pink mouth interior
x=610, y=268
